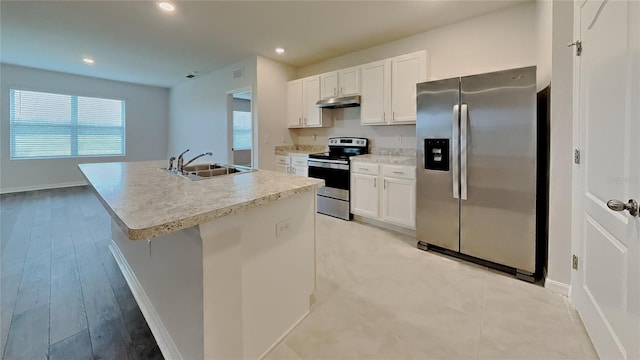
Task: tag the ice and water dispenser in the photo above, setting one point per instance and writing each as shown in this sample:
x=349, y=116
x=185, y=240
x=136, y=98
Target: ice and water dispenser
x=436, y=154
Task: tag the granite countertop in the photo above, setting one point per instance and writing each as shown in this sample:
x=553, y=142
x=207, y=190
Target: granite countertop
x=147, y=202
x=386, y=159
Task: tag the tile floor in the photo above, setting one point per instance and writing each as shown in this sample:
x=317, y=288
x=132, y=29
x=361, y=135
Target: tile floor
x=378, y=297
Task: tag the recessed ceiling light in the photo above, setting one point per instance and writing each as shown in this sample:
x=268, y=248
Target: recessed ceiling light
x=166, y=6
x=88, y=61
x=280, y=50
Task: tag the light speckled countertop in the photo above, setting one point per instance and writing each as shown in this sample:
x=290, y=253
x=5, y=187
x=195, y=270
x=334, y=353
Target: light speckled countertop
x=385, y=159
x=147, y=202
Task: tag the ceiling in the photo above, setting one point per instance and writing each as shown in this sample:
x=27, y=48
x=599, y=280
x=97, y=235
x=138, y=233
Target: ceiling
x=135, y=41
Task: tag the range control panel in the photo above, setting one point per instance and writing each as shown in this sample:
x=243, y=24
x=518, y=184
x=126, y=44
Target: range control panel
x=348, y=141
x=436, y=154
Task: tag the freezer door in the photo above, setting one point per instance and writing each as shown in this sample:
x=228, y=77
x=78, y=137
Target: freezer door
x=498, y=167
x=437, y=204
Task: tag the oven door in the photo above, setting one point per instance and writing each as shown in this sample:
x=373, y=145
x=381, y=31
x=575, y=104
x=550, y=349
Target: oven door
x=335, y=176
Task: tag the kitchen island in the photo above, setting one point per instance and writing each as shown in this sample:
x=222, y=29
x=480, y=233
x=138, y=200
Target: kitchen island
x=222, y=267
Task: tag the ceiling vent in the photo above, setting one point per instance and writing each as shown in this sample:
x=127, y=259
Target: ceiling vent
x=238, y=73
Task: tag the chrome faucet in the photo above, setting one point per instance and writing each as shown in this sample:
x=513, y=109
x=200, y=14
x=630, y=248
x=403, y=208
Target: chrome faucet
x=181, y=160
x=181, y=167
x=171, y=159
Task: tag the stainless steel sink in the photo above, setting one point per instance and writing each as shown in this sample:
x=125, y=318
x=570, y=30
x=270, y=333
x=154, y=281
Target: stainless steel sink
x=207, y=171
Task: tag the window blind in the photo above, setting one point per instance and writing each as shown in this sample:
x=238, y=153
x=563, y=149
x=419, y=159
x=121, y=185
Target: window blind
x=46, y=125
x=241, y=130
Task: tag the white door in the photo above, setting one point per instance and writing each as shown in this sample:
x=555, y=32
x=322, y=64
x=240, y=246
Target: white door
x=606, y=286
x=294, y=103
x=399, y=201
x=311, y=95
x=329, y=85
x=406, y=72
x=364, y=195
x=374, y=105
x=349, y=81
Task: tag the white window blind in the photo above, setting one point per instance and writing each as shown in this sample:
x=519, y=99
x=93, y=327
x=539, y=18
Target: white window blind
x=45, y=125
x=241, y=130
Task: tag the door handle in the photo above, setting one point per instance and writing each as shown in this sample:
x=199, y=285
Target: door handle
x=455, y=138
x=464, y=119
x=631, y=206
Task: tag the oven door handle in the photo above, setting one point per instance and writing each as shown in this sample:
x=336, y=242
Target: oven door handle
x=328, y=165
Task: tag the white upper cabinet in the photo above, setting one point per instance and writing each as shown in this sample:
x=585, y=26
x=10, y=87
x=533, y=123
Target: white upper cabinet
x=302, y=96
x=389, y=89
x=294, y=103
x=406, y=72
x=329, y=85
x=311, y=95
x=374, y=104
x=340, y=83
x=349, y=81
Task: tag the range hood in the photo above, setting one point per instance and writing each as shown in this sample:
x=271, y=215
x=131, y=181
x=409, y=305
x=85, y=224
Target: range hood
x=339, y=102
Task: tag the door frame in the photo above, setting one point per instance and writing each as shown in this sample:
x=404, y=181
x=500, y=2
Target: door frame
x=254, y=127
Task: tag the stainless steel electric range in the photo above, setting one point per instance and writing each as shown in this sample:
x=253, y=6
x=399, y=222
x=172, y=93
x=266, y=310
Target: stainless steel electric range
x=333, y=168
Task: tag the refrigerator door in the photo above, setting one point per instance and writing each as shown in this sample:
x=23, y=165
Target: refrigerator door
x=498, y=167
x=437, y=203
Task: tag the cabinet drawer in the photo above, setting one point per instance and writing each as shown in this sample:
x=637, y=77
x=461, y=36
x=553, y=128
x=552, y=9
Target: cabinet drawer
x=283, y=160
x=364, y=168
x=400, y=172
x=299, y=160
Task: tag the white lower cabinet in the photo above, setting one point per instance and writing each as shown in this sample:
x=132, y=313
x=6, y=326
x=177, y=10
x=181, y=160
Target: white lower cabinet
x=294, y=164
x=399, y=201
x=364, y=195
x=386, y=193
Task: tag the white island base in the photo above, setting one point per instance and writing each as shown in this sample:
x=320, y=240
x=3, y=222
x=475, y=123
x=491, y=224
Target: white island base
x=229, y=288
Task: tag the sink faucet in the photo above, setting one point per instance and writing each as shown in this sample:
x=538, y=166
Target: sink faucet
x=181, y=166
x=181, y=160
x=171, y=159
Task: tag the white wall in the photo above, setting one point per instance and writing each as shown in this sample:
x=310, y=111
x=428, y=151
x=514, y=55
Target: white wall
x=147, y=119
x=497, y=41
x=544, y=26
x=560, y=190
x=199, y=111
x=271, y=110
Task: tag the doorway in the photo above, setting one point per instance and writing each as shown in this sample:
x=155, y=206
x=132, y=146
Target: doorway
x=240, y=127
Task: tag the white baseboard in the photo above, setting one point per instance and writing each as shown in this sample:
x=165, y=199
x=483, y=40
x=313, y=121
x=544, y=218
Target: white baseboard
x=42, y=187
x=557, y=287
x=384, y=225
x=283, y=336
x=165, y=342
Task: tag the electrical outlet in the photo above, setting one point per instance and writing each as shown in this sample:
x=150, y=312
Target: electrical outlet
x=282, y=228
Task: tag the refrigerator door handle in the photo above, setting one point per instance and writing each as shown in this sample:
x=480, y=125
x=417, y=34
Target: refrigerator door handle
x=464, y=122
x=454, y=152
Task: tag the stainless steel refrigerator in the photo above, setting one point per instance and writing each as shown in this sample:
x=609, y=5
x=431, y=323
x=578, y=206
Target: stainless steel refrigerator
x=476, y=176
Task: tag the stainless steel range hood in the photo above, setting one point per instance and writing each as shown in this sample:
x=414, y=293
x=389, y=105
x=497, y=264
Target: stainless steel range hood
x=339, y=102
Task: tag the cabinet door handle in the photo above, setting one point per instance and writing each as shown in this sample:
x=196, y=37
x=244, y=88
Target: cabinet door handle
x=398, y=172
x=335, y=91
x=384, y=116
x=341, y=89
x=384, y=184
x=299, y=121
x=393, y=115
x=305, y=121
x=375, y=182
x=363, y=169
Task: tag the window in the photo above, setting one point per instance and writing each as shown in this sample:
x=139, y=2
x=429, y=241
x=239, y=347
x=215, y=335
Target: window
x=241, y=130
x=45, y=125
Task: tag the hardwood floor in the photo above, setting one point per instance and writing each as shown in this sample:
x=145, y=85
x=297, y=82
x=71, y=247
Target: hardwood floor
x=62, y=294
